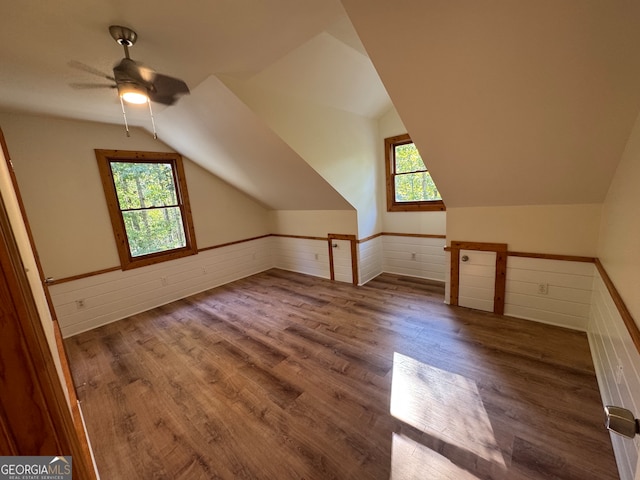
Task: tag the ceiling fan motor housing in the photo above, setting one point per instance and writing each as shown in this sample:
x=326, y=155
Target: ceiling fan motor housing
x=123, y=35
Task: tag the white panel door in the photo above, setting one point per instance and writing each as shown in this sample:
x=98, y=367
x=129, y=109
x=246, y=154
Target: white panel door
x=342, y=260
x=477, y=279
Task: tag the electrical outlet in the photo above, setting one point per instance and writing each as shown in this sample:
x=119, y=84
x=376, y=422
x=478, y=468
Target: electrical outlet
x=204, y=270
x=543, y=288
x=316, y=256
x=80, y=304
x=163, y=281
x=413, y=255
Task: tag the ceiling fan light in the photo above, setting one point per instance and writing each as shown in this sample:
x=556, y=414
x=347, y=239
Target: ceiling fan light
x=135, y=97
x=133, y=94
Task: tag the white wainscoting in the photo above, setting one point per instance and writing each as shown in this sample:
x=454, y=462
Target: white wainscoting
x=414, y=256
x=369, y=259
x=617, y=365
x=115, y=295
x=568, y=298
x=301, y=255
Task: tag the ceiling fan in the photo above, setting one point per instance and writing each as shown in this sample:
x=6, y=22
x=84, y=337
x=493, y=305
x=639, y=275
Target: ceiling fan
x=136, y=83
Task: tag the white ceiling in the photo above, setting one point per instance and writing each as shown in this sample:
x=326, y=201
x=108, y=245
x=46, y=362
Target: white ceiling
x=243, y=150
x=190, y=40
x=338, y=77
x=304, y=47
x=510, y=102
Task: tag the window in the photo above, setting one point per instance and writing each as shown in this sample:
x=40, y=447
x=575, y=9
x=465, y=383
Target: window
x=148, y=204
x=410, y=187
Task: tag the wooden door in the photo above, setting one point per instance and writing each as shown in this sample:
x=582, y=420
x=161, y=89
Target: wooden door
x=478, y=275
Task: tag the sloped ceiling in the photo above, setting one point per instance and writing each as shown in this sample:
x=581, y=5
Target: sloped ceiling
x=339, y=76
x=198, y=42
x=510, y=102
x=213, y=126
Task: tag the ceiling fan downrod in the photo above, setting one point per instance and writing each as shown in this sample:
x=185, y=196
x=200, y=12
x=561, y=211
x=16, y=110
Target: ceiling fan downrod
x=124, y=36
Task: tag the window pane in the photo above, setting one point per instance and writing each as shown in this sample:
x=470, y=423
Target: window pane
x=408, y=159
x=151, y=231
x=415, y=187
x=140, y=185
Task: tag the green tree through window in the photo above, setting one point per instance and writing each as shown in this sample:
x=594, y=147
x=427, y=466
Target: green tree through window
x=148, y=204
x=409, y=183
x=412, y=180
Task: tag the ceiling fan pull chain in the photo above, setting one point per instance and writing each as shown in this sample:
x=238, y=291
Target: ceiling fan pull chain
x=153, y=122
x=126, y=126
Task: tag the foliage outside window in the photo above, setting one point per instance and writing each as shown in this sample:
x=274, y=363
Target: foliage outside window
x=409, y=183
x=148, y=204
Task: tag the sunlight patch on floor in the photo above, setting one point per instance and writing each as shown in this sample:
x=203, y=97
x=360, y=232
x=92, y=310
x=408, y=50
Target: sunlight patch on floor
x=410, y=460
x=443, y=405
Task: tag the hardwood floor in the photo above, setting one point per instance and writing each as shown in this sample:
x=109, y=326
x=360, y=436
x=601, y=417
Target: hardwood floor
x=285, y=376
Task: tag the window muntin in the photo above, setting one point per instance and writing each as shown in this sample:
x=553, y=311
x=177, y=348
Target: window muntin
x=148, y=205
x=409, y=183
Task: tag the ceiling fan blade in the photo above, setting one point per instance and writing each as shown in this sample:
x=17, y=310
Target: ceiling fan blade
x=167, y=90
x=89, y=69
x=88, y=86
x=131, y=70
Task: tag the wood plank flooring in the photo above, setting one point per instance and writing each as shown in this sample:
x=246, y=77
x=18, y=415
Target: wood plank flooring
x=285, y=376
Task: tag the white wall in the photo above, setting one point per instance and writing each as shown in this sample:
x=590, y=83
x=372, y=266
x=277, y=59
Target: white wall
x=347, y=150
x=301, y=255
x=115, y=295
x=551, y=229
x=313, y=223
x=618, y=252
x=434, y=223
x=341, y=146
x=220, y=212
x=620, y=229
x=414, y=256
x=370, y=258
x=567, y=301
x=617, y=364
x=59, y=181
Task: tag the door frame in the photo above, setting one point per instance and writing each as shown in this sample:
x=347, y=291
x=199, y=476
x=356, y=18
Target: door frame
x=500, y=250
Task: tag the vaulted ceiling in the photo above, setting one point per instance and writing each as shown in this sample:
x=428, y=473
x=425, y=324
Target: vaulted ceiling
x=511, y=103
x=306, y=48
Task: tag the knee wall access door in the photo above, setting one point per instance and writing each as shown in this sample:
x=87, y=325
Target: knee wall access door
x=478, y=275
x=343, y=258
x=477, y=282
